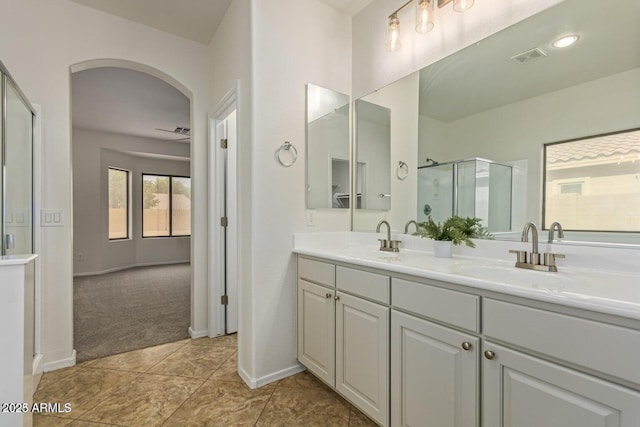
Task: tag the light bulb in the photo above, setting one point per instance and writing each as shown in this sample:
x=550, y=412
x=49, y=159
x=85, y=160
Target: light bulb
x=424, y=16
x=566, y=41
x=462, y=5
x=393, y=34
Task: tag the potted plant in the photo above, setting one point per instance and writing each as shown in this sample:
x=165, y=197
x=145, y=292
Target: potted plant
x=454, y=231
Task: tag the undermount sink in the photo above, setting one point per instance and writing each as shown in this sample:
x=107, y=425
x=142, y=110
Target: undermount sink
x=512, y=275
x=372, y=254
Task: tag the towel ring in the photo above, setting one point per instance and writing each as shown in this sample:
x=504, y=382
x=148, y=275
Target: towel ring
x=287, y=147
x=402, y=171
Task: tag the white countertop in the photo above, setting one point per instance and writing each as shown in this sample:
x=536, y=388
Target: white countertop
x=16, y=259
x=605, y=291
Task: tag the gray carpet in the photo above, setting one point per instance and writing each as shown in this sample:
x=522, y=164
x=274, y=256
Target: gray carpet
x=130, y=309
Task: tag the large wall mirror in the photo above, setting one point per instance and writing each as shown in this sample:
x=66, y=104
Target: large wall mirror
x=484, y=130
x=328, y=183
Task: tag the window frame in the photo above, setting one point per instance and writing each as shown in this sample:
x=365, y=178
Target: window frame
x=127, y=207
x=160, y=175
x=544, y=180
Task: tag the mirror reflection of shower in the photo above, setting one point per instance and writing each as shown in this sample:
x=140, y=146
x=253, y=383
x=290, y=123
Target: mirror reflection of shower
x=473, y=187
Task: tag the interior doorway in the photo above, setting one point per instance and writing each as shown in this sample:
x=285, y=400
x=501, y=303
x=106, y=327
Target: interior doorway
x=223, y=143
x=131, y=210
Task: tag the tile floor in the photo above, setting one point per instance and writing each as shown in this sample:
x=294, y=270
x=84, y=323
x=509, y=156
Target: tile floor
x=186, y=383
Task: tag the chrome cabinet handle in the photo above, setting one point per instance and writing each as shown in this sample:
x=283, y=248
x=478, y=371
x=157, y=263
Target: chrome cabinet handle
x=466, y=346
x=489, y=354
x=328, y=295
x=337, y=298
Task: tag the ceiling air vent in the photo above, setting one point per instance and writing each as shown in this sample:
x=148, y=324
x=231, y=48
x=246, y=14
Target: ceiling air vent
x=529, y=55
x=182, y=131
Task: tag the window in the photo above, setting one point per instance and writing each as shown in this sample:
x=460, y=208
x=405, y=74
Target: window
x=593, y=184
x=118, y=204
x=166, y=206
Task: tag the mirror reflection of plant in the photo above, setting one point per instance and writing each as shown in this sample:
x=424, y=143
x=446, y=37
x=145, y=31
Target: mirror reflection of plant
x=456, y=229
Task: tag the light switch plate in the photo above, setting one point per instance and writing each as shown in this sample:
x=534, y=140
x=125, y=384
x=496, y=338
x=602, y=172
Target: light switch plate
x=51, y=218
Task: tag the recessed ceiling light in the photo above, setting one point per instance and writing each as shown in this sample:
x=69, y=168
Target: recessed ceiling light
x=566, y=41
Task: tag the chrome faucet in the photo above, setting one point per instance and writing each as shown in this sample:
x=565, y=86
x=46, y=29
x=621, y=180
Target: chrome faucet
x=555, y=226
x=531, y=260
x=387, y=244
x=406, y=226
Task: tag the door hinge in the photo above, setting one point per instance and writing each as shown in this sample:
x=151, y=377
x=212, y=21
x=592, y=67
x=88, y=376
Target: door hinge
x=224, y=221
x=223, y=143
x=224, y=300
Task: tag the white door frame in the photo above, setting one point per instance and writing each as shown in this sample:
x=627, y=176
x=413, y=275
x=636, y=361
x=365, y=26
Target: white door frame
x=216, y=177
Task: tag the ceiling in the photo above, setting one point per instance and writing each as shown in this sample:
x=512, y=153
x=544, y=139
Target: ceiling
x=127, y=102
x=483, y=76
x=195, y=20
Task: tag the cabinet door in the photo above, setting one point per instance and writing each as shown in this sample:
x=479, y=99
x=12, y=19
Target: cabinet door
x=524, y=391
x=434, y=374
x=316, y=330
x=362, y=355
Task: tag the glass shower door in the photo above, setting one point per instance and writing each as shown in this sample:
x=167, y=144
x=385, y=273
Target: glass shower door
x=17, y=218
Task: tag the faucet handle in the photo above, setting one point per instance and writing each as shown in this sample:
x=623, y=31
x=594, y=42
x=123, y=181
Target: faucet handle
x=521, y=256
x=550, y=259
x=393, y=244
x=384, y=243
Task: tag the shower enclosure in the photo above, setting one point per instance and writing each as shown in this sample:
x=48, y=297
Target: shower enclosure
x=16, y=158
x=473, y=187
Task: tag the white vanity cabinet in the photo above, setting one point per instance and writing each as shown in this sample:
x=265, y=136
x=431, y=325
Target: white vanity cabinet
x=343, y=332
x=520, y=389
x=434, y=368
x=523, y=391
x=447, y=354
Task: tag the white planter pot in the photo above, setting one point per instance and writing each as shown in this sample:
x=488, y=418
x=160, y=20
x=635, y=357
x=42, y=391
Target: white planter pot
x=442, y=248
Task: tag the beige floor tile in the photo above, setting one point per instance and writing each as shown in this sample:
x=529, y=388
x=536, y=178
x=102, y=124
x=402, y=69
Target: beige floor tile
x=228, y=371
x=222, y=403
x=301, y=380
x=54, y=377
x=138, y=360
x=81, y=423
x=358, y=419
x=224, y=341
x=195, y=361
x=47, y=421
x=148, y=401
x=83, y=389
x=314, y=406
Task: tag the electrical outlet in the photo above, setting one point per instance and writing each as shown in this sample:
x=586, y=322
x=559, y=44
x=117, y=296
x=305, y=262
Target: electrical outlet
x=311, y=218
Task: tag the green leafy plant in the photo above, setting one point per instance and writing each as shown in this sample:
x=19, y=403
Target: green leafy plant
x=456, y=229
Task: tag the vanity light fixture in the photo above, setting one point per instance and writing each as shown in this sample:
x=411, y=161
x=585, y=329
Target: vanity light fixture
x=566, y=41
x=424, y=18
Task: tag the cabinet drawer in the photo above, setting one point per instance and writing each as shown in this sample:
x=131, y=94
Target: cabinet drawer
x=452, y=307
x=316, y=271
x=609, y=349
x=362, y=283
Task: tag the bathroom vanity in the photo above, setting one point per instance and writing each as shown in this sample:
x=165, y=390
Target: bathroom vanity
x=413, y=340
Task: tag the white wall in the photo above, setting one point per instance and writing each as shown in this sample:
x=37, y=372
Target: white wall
x=375, y=67
x=230, y=58
x=401, y=98
x=294, y=42
x=518, y=131
x=39, y=41
x=93, y=154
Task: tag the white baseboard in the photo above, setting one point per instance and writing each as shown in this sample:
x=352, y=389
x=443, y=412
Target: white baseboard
x=126, y=267
x=59, y=364
x=267, y=379
x=198, y=334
